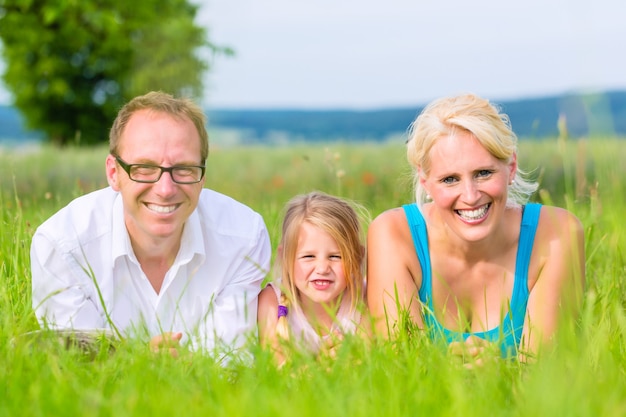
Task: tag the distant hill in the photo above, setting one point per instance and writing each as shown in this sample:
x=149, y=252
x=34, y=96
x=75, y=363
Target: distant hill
x=585, y=115
x=534, y=118
x=12, y=127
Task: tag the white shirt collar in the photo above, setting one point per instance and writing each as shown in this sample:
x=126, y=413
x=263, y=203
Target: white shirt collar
x=192, y=241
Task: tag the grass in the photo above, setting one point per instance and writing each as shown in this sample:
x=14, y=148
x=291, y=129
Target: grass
x=582, y=376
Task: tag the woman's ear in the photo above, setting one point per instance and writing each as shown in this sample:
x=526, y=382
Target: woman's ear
x=422, y=179
x=421, y=174
x=512, y=168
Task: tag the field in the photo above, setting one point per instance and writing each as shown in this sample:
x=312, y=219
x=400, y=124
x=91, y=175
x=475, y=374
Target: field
x=584, y=375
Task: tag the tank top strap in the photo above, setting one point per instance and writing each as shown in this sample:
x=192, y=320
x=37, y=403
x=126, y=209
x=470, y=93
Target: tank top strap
x=528, y=229
x=530, y=219
x=417, y=225
x=510, y=331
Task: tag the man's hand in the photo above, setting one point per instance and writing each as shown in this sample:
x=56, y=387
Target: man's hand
x=166, y=342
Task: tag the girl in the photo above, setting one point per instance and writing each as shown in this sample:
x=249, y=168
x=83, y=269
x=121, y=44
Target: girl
x=321, y=262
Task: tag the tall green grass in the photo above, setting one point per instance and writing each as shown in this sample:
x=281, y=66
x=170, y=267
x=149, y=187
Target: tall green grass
x=582, y=376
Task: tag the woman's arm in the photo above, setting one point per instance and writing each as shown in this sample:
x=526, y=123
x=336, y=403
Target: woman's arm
x=393, y=273
x=557, y=292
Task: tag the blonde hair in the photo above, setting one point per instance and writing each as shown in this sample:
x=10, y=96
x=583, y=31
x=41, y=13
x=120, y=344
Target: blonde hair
x=166, y=103
x=340, y=220
x=477, y=116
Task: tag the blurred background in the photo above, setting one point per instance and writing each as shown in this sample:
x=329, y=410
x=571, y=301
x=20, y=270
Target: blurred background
x=278, y=71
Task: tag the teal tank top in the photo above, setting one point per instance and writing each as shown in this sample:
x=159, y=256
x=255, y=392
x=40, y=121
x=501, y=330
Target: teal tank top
x=509, y=333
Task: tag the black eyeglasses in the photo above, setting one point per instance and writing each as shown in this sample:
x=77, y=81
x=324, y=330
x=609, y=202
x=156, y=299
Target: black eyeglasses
x=181, y=174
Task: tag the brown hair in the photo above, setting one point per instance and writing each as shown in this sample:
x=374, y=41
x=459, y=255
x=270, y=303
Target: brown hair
x=166, y=103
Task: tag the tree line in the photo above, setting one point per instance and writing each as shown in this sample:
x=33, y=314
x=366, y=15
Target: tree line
x=71, y=64
x=573, y=115
x=600, y=114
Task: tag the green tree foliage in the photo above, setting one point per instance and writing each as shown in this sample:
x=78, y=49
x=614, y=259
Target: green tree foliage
x=71, y=64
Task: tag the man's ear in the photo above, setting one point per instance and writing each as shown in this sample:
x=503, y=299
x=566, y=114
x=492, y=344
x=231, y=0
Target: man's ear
x=112, y=171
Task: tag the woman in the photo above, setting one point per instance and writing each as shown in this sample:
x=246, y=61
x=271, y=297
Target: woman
x=470, y=261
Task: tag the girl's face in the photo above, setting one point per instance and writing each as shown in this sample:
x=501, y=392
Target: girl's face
x=318, y=268
x=468, y=185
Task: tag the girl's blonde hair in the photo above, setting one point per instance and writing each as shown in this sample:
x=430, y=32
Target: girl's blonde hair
x=477, y=116
x=340, y=220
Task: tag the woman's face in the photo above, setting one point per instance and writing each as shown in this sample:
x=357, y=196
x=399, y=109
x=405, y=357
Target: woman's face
x=468, y=185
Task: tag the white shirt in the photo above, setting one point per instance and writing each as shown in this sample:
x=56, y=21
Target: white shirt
x=209, y=294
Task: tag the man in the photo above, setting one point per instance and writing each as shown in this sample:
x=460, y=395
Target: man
x=154, y=254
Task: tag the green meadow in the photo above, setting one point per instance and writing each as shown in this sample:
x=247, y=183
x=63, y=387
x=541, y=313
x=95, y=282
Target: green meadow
x=583, y=374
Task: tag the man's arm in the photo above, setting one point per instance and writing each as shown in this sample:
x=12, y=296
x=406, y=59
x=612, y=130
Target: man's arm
x=232, y=315
x=62, y=292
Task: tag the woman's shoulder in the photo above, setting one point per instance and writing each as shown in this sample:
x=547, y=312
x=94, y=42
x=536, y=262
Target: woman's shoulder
x=557, y=220
x=389, y=219
x=390, y=247
x=558, y=230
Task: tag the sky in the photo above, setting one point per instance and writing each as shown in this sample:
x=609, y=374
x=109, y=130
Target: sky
x=365, y=54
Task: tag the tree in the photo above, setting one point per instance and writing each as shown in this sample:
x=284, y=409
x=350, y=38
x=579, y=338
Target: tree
x=71, y=64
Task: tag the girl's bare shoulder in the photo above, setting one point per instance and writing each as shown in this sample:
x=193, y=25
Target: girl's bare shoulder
x=268, y=304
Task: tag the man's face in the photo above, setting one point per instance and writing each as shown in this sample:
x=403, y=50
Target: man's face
x=156, y=211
